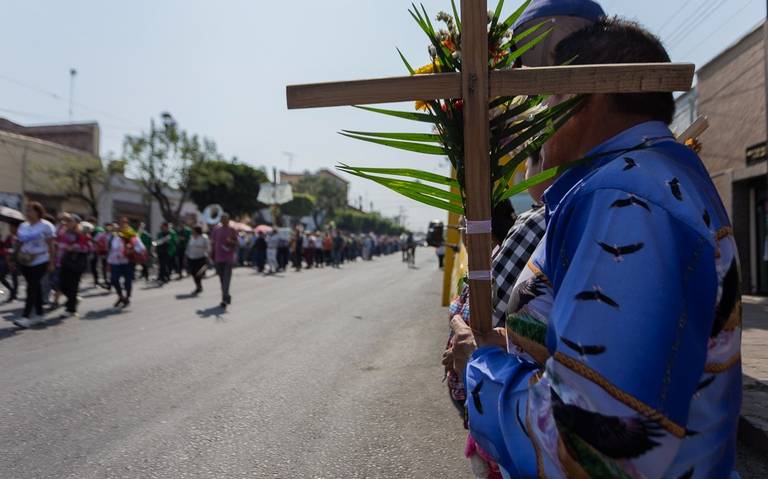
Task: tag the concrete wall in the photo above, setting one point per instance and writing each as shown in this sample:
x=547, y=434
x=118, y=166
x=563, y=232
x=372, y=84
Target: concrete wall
x=33, y=168
x=732, y=95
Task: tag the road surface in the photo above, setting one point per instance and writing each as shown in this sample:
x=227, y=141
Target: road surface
x=319, y=374
x=322, y=373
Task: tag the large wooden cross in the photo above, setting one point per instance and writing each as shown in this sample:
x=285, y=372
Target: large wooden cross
x=476, y=86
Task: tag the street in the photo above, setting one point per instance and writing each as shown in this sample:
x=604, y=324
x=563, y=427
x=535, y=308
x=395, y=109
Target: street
x=322, y=373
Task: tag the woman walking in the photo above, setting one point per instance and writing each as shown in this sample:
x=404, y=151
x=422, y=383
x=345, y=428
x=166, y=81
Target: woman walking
x=34, y=254
x=197, y=257
x=72, y=248
x=124, y=249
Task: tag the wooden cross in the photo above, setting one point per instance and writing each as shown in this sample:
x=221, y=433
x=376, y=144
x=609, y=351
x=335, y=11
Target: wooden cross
x=476, y=86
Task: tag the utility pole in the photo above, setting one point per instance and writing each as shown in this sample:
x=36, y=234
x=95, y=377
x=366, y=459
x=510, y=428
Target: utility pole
x=290, y=156
x=72, y=74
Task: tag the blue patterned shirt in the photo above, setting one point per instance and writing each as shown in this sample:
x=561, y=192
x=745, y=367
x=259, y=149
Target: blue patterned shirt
x=624, y=332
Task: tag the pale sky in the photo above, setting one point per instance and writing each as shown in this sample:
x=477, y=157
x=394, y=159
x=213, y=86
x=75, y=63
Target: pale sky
x=221, y=67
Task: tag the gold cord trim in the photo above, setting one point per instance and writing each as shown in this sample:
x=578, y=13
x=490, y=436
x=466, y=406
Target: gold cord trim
x=620, y=395
x=722, y=367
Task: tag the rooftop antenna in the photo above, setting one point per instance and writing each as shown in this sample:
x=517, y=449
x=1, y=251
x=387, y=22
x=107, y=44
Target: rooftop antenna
x=72, y=75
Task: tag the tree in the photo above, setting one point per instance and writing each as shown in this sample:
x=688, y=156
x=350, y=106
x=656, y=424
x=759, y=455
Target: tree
x=301, y=205
x=164, y=160
x=356, y=221
x=85, y=178
x=235, y=186
x=329, y=196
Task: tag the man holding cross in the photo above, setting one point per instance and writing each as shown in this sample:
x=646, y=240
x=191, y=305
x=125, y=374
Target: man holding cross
x=623, y=346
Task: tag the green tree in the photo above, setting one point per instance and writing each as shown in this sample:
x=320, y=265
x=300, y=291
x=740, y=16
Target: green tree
x=356, y=221
x=164, y=159
x=329, y=196
x=301, y=205
x=84, y=178
x=235, y=186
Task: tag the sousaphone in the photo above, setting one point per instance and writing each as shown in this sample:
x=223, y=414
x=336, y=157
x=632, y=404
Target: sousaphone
x=212, y=214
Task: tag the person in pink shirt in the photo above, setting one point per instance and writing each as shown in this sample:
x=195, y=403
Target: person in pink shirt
x=72, y=248
x=224, y=242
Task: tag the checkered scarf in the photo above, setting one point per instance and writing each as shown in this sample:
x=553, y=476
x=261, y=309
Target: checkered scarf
x=512, y=256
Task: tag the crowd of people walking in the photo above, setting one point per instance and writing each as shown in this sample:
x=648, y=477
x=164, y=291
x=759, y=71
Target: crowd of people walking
x=52, y=255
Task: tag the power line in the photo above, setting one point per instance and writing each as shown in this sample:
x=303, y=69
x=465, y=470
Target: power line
x=696, y=22
x=721, y=25
x=671, y=18
x=58, y=97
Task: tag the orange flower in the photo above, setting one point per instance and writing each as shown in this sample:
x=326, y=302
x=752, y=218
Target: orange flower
x=421, y=105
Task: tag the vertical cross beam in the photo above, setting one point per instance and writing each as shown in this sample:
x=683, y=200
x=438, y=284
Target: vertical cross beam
x=474, y=66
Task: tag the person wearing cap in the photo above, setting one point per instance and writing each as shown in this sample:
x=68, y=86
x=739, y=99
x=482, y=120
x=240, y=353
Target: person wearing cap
x=564, y=16
x=623, y=345
x=124, y=247
x=518, y=242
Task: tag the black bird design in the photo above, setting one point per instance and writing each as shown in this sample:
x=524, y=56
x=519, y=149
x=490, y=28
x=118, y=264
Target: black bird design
x=618, y=252
x=528, y=291
x=706, y=383
x=597, y=295
x=615, y=437
x=519, y=420
x=688, y=474
x=630, y=163
x=632, y=200
x=729, y=299
x=584, y=350
x=707, y=219
x=476, y=397
x=674, y=185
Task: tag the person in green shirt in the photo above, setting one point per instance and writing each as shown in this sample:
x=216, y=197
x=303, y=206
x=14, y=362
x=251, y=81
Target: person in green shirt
x=165, y=247
x=146, y=240
x=183, y=234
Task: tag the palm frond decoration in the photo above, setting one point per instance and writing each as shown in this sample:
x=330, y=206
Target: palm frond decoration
x=518, y=125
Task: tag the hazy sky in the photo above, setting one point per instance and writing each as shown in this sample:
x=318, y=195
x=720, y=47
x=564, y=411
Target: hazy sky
x=220, y=67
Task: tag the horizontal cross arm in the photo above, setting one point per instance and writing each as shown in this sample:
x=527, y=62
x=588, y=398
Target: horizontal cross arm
x=614, y=78
x=381, y=90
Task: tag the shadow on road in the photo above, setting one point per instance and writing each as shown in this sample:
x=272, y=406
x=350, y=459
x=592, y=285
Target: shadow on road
x=103, y=314
x=6, y=333
x=214, y=312
x=186, y=296
x=11, y=314
x=100, y=294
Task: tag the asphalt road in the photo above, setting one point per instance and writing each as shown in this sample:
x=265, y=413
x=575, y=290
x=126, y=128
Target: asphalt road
x=319, y=374
x=322, y=373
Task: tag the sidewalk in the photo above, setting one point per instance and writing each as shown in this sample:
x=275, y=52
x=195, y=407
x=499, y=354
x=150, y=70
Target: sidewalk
x=753, y=428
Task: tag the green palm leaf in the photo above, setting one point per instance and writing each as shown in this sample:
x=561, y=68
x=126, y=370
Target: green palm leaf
x=425, y=194
x=407, y=115
x=419, y=137
x=402, y=145
x=407, y=65
x=515, y=15
x=456, y=16
x=407, y=172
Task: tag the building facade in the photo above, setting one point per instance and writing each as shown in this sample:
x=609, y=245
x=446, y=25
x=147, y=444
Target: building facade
x=294, y=178
x=33, y=170
x=731, y=94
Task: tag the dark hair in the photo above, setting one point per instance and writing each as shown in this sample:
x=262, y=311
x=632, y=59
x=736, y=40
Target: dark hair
x=615, y=40
x=38, y=208
x=198, y=229
x=502, y=219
